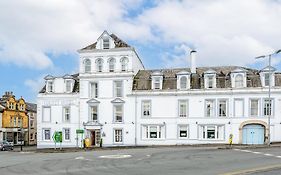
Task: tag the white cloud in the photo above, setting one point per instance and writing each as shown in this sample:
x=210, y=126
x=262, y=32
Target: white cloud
x=35, y=84
x=223, y=32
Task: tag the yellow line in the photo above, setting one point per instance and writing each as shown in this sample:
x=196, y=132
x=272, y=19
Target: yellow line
x=253, y=170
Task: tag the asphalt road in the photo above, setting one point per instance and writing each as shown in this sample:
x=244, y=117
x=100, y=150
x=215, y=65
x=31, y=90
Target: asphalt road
x=163, y=160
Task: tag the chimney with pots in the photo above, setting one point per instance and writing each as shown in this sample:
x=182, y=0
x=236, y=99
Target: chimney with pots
x=193, y=61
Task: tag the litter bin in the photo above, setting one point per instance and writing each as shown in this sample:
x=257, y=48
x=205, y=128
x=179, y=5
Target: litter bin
x=87, y=142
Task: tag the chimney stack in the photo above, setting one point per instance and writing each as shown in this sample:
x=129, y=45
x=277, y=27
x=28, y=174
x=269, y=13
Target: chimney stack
x=193, y=61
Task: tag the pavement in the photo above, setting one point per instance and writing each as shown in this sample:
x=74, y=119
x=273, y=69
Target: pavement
x=174, y=160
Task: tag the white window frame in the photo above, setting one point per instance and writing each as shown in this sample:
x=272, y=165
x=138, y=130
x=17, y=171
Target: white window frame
x=226, y=107
x=183, y=83
x=272, y=107
x=119, y=112
x=267, y=82
x=258, y=107
x=44, y=136
x=87, y=65
x=124, y=64
x=207, y=78
x=117, y=139
x=239, y=83
x=117, y=88
x=91, y=118
x=213, y=114
x=146, y=108
x=65, y=113
x=94, y=90
x=99, y=65
x=183, y=101
x=50, y=86
x=160, y=132
x=205, y=128
x=64, y=134
x=68, y=84
x=180, y=126
x=106, y=43
x=111, y=64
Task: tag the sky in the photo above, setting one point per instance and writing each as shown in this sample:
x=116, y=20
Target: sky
x=38, y=38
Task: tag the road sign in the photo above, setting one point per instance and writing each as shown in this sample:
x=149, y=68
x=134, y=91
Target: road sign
x=57, y=137
x=79, y=131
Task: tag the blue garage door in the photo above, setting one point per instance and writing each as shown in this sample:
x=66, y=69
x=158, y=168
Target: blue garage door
x=253, y=134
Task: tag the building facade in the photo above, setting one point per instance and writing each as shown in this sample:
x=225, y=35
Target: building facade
x=31, y=109
x=14, y=119
x=114, y=100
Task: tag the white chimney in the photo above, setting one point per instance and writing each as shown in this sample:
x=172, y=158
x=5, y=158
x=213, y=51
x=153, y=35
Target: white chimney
x=193, y=61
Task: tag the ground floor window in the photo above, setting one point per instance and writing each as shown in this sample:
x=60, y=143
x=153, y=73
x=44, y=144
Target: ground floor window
x=153, y=131
x=66, y=134
x=47, y=134
x=211, y=132
x=183, y=131
x=118, y=135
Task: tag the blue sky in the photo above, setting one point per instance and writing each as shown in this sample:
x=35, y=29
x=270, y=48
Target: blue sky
x=40, y=38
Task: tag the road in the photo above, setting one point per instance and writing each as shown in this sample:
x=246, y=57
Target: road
x=156, y=161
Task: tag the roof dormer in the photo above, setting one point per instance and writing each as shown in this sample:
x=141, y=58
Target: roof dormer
x=157, y=80
x=239, y=78
x=210, y=79
x=68, y=82
x=267, y=76
x=183, y=80
x=105, y=41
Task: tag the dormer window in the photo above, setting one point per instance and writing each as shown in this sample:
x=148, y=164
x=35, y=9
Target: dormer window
x=239, y=81
x=210, y=79
x=111, y=64
x=99, y=65
x=157, y=79
x=50, y=86
x=124, y=64
x=11, y=105
x=266, y=79
x=87, y=65
x=267, y=76
x=183, y=83
x=106, y=43
x=68, y=85
x=183, y=80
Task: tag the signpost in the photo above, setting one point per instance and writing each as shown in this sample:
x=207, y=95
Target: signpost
x=57, y=138
x=79, y=131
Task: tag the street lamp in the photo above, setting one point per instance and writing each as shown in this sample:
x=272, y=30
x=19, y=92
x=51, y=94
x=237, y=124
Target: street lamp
x=269, y=87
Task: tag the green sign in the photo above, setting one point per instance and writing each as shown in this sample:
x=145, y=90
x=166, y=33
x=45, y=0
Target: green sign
x=57, y=137
x=79, y=131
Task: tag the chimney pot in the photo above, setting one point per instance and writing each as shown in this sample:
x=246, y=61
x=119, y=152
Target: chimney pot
x=193, y=61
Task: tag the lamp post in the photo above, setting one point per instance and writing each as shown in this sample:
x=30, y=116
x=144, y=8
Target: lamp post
x=269, y=88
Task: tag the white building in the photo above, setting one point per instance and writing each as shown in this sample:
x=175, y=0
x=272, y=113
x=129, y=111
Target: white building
x=115, y=99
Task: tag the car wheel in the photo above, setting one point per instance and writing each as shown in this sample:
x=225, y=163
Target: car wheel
x=3, y=149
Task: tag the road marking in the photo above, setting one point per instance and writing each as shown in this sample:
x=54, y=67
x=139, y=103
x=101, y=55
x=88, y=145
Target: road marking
x=254, y=170
x=268, y=154
x=257, y=152
x=117, y=156
x=265, y=154
x=82, y=158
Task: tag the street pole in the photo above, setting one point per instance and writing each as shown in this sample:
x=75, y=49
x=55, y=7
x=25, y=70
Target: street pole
x=269, y=98
x=269, y=112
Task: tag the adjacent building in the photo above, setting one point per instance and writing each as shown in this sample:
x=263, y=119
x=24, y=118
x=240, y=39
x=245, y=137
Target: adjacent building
x=14, y=119
x=114, y=99
x=31, y=109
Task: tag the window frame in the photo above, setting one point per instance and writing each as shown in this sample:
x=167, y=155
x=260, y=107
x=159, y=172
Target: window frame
x=179, y=131
x=226, y=107
x=160, y=132
x=235, y=107
x=99, y=65
x=184, y=101
x=115, y=136
x=64, y=134
x=111, y=64
x=143, y=108
x=214, y=108
x=50, y=118
x=65, y=113
x=258, y=107
x=96, y=90
x=115, y=88
x=124, y=64
x=106, y=43
x=87, y=65
x=240, y=82
x=183, y=83
x=91, y=119
x=115, y=116
x=271, y=107
x=44, y=132
x=68, y=84
x=217, y=134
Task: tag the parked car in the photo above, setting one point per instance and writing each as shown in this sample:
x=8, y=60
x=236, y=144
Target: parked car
x=4, y=146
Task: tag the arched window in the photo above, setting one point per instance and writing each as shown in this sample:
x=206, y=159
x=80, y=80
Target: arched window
x=239, y=81
x=183, y=82
x=124, y=64
x=99, y=65
x=111, y=64
x=87, y=65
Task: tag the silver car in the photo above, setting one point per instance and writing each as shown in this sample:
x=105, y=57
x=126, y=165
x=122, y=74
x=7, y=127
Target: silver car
x=4, y=146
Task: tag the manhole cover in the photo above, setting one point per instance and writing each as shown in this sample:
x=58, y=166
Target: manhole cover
x=118, y=156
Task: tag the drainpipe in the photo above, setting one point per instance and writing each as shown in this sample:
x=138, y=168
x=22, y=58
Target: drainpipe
x=136, y=102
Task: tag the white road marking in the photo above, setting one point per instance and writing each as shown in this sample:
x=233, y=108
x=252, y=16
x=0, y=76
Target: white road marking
x=257, y=152
x=82, y=158
x=117, y=156
x=278, y=157
x=265, y=154
x=268, y=154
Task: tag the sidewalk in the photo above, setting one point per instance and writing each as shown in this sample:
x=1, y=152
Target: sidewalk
x=215, y=146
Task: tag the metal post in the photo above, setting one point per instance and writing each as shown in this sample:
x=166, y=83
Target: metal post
x=269, y=96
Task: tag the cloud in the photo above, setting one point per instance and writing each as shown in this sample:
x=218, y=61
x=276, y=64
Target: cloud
x=223, y=32
x=35, y=84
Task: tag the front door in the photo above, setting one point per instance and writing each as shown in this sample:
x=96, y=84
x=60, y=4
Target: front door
x=93, y=138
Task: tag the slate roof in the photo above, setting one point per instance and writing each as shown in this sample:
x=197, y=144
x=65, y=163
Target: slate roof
x=117, y=41
x=31, y=107
x=142, y=81
x=75, y=87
